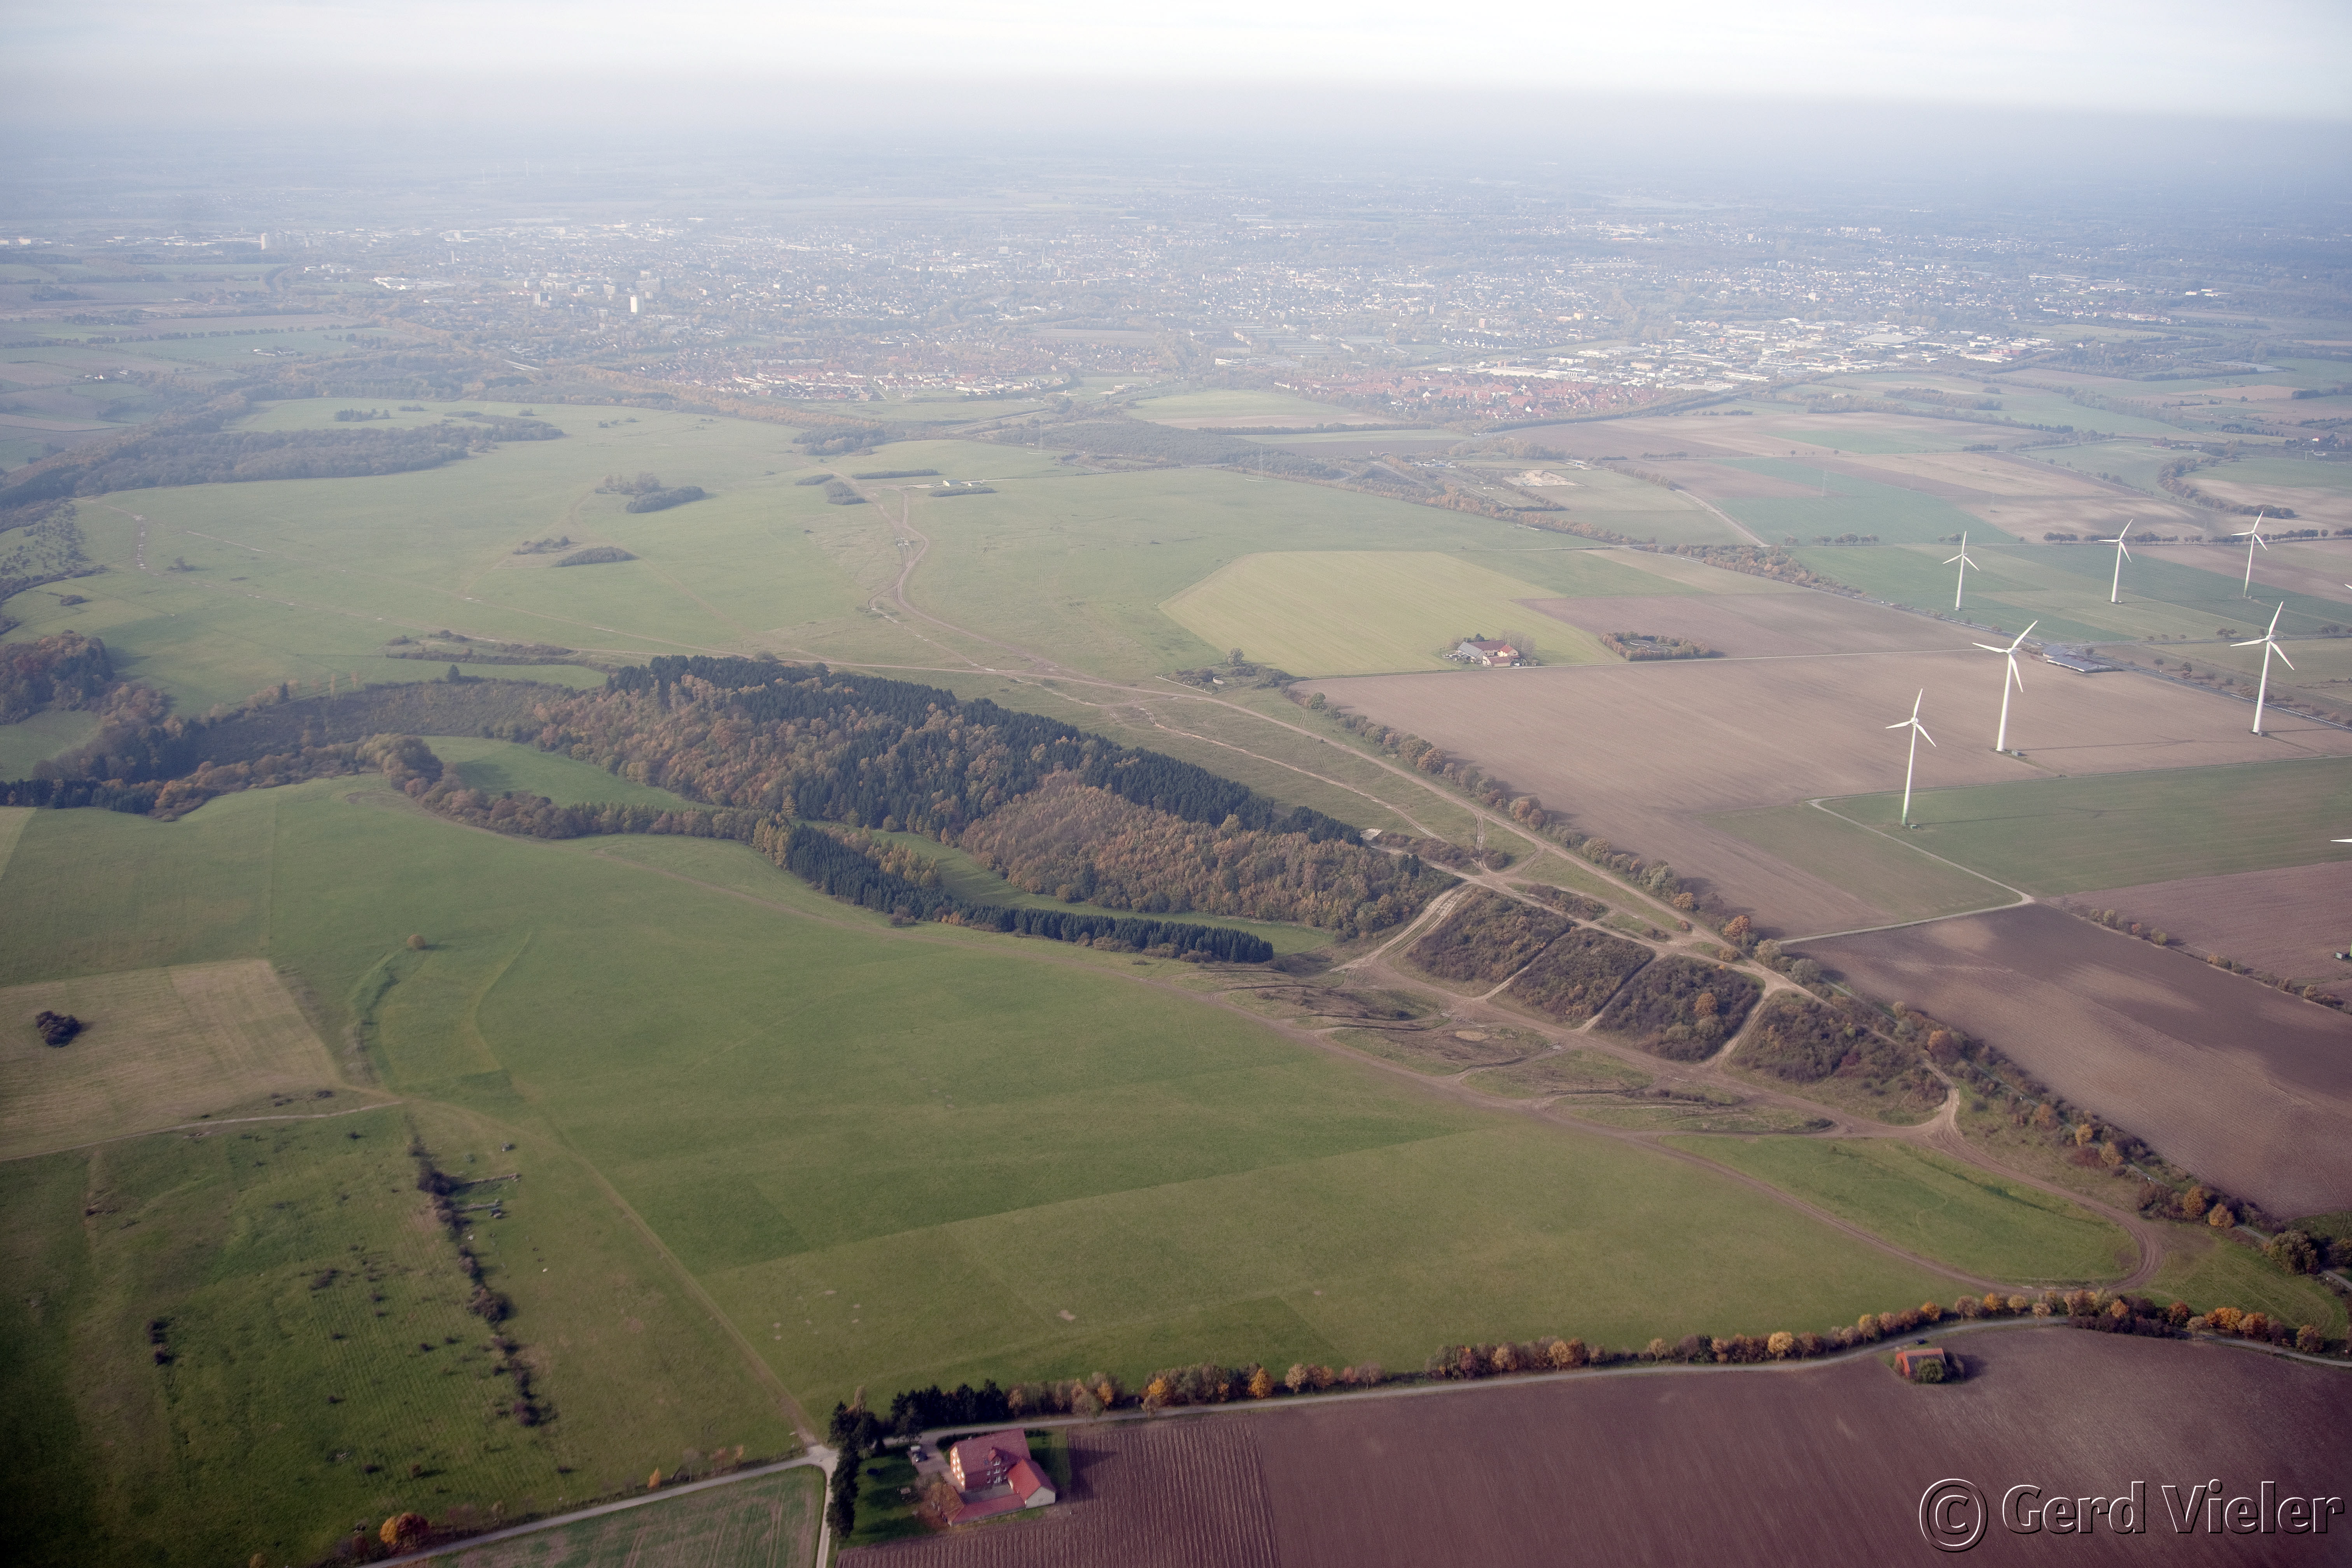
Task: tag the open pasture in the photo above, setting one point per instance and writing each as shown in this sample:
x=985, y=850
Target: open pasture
x=1926, y=1203
x=499, y=766
x=2247, y=1087
x=1830, y=1460
x=2291, y=919
x=835, y=1127
x=771, y=1523
x=1642, y=755
x=2062, y=836
x=2169, y=591
x=1761, y=625
x=157, y=1047
x=1362, y=612
x=1838, y=502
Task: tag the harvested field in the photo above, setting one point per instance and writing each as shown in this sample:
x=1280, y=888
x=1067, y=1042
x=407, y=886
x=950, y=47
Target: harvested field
x=2319, y=567
x=2291, y=921
x=1180, y=1494
x=1485, y=938
x=1578, y=975
x=1816, y=1464
x=2249, y=1088
x=1571, y=1072
x=772, y=1521
x=1682, y=1008
x=1441, y=1052
x=1762, y=626
x=157, y=1047
x=1640, y=753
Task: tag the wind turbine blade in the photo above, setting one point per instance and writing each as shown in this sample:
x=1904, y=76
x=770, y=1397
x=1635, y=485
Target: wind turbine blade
x=1900, y=724
x=1925, y=736
x=2023, y=635
x=1990, y=649
x=2251, y=642
x=2012, y=673
x=2281, y=653
x=2275, y=618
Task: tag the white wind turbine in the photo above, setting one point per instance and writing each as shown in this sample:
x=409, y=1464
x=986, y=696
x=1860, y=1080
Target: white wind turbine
x=1919, y=732
x=2269, y=643
x=2116, y=593
x=2010, y=677
x=2253, y=536
x=1962, y=558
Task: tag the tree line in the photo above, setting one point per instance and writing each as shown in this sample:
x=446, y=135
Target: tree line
x=842, y=870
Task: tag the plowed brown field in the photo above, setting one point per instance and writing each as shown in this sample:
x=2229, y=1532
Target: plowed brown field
x=2246, y=1087
x=1820, y=1465
x=2290, y=921
x=1639, y=752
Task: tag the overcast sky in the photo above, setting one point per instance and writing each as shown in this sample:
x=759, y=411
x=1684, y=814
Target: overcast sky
x=2246, y=58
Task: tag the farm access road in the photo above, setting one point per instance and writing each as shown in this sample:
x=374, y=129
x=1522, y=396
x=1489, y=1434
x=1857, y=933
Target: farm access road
x=1148, y=701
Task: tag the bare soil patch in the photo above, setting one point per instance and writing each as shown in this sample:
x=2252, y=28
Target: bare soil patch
x=1760, y=626
x=1816, y=1464
x=1638, y=753
x=2246, y=1087
x=2291, y=921
x=158, y=1046
x=1440, y=1052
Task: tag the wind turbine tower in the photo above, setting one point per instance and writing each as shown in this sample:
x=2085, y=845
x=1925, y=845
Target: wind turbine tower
x=2268, y=641
x=1919, y=732
x=1964, y=564
x=2009, y=678
x=2116, y=592
x=2253, y=536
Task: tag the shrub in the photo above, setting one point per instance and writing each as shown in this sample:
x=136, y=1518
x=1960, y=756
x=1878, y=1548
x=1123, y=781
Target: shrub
x=1487, y=937
x=2294, y=1251
x=57, y=1028
x=1682, y=1008
x=1577, y=974
x=404, y=1529
x=1927, y=1370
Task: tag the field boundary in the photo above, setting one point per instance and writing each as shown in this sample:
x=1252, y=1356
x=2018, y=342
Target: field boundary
x=2021, y=898
x=818, y=1458
x=202, y=1126
x=1424, y=1389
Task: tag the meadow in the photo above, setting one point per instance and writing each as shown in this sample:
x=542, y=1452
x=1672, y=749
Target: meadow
x=1364, y=611
x=247, y=1343
x=1852, y=505
x=764, y=1523
x=896, y=1157
x=1936, y=1207
x=1903, y=884
x=2064, y=590
x=2070, y=834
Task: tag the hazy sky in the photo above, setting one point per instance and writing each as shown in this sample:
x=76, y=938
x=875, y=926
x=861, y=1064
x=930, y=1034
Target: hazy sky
x=2248, y=58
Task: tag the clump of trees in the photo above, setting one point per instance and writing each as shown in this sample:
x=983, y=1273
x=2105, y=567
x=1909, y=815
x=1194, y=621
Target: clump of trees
x=1801, y=1040
x=1640, y=648
x=1577, y=974
x=595, y=555
x=1682, y=1008
x=1566, y=902
x=841, y=492
x=66, y=670
x=1487, y=936
x=844, y=870
x=1079, y=842
x=662, y=500
x=57, y=1028
x=544, y=546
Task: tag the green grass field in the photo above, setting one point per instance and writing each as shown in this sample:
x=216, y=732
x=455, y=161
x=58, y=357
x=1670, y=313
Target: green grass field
x=498, y=766
x=2208, y=1271
x=41, y=737
x=1928, y=1205
x=896, y=1157
x=2064, y=589
x=1853, y=505
x=322, y=1369
x=1942, y=436
x=2052, y=836
x=1364, y=611
x=769, y=1522
x=1905, y=884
